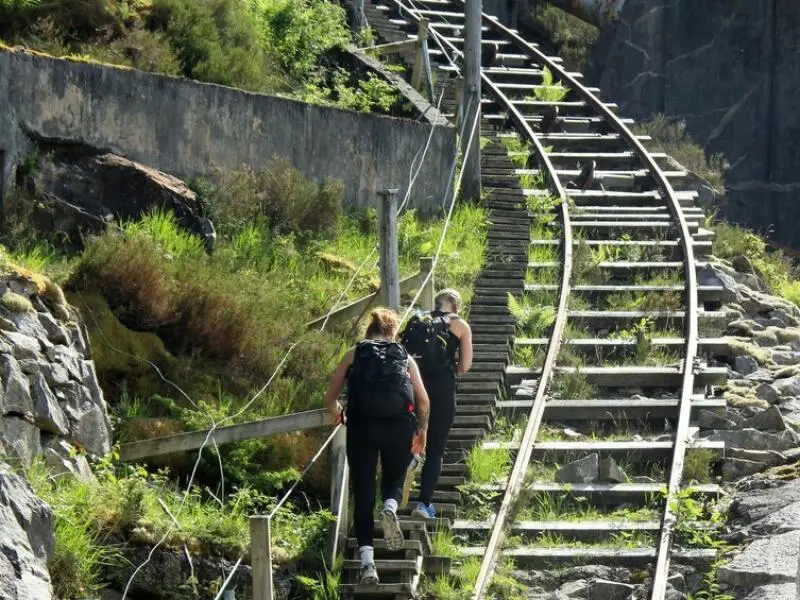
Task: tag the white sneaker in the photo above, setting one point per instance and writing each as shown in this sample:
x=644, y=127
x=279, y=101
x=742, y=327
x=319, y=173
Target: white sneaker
x=369, y=575
x=413, y=468
x=391, y=530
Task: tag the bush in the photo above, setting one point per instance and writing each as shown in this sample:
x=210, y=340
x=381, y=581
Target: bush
x=572, y=37
x=279, y=194
x=672, y=138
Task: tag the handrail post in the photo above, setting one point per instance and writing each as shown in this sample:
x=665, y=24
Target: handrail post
x=261, y=557
x=389, y=259
x=339, y=483
x=471, y=187
x=419, y=60
x=427, y=296
x=459, y=102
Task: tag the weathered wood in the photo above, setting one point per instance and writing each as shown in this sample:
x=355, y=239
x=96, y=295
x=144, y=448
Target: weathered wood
x=391, y=47
x=337, y=536
x=428, y=291
x=193, y=440
x=261, y=557
x=389, y=258
x=419, y=61
x=359, y=307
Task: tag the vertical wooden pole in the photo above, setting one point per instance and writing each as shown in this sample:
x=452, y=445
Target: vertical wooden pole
x=419, y=61
x=389, y=258
x=261, y=557
x=459, y=102
x=427, y=297
x=337, y=533
x=472, y=99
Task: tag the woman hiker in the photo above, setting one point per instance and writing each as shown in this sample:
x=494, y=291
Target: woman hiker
x=386, y=417
x=441, y=343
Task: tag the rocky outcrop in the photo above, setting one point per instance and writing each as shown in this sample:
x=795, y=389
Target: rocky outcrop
x=85, y=189
x=730, y=71
x=26, y=540
x=51, y=397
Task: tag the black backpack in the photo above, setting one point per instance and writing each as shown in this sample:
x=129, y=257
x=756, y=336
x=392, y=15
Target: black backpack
x=378, y=385
x=425, y=337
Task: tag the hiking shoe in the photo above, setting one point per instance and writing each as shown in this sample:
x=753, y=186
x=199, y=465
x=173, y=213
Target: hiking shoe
x=424, y=511
x=391, y=530
x=369, y=575
x=413, y=468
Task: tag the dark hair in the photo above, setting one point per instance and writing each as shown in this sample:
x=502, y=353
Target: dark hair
x=383, y=322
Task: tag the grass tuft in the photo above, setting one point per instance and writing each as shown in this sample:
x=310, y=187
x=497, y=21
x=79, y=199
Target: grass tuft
x=488, y=466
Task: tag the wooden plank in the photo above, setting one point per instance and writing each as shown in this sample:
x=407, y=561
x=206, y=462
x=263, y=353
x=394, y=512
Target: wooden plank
x=261, y=557
x=193, y=440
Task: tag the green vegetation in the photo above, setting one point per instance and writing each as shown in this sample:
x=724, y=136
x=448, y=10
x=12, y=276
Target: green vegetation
x=549, y=90
x=288, y=47
x=534, y=319
x=572, y=37
x=488, y=466
x=773, y=266
x=217, y=328
x=123, y=503
x=697, y=465
x=547, y=506
x=672, y=138
x=443, y=544
x=572, y=384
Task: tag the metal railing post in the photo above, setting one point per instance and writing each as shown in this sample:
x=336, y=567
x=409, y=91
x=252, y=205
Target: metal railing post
x=459, y=102
x=426, y=268
x=261, y=557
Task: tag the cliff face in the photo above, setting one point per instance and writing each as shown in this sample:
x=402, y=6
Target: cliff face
x=730, y=69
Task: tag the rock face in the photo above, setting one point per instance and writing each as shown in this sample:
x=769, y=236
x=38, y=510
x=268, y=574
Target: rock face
x=86, y=189
x=729, y=70
x=50, y=390
x=26, y=542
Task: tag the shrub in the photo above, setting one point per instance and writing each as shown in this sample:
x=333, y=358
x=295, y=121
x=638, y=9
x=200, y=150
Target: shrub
x=671, y=137
x=279, y=193
x=572, y=37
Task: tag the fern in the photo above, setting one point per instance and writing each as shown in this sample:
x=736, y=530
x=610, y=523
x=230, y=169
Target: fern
x=533, y=320
x=550, y=90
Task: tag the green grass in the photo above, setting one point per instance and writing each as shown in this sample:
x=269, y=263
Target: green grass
x=443, y=543
x=572, y=385
x=541, y=253
x=569, y=507
x=488, y=466
x=123, y=501
x=698, y=465
x=622, y=540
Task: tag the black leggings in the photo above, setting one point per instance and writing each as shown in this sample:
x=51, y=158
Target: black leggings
x=442, y=393
x=366, y=439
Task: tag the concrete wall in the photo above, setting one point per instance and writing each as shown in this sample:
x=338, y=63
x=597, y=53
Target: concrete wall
x=731, y=70
x=185, y=128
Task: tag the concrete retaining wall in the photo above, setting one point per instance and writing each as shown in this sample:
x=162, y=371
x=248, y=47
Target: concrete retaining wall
x=186, y=128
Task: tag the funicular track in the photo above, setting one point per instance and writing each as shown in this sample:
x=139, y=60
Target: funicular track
x=622, y=357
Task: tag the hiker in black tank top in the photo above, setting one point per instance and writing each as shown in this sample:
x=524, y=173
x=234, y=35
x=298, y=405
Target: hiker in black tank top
x=386, y=418
x=440, y=384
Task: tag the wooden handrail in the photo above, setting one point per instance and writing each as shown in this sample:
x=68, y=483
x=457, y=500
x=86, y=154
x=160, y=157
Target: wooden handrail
x=193, y=440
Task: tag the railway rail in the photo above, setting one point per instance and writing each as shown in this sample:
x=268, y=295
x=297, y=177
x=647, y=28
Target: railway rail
x=602, y=355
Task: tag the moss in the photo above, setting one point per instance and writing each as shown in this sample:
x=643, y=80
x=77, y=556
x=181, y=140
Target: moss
x=784, y=335
x=741, y=401
x=742, y=348
x=16, y=303
x=126, y=360
x=787, y=372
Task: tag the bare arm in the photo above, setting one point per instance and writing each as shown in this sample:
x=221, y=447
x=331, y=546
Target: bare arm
x=462, y=330
x=336, y=386
x=420, y=395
